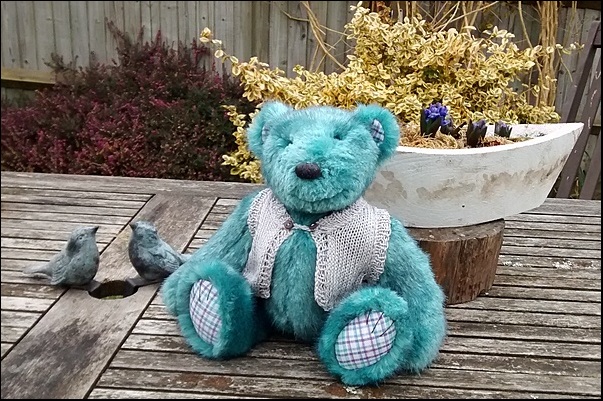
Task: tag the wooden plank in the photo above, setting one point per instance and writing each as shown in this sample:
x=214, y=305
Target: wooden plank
x=315, y=55
x=12, y=334
x=524, y=332
x=5, y=348
x=169, y=21
x=68, y=209
x=132, y=18
x=555, y=218
x=546, y=251
x=26, y=31
x=126, y=184
x=26, y=304
x=531, y=225
x=260, y=39
x=18, y=318
x=156, y=18
x=11, y=56
x=17, y=277
x=62, y=29
x=111, y=12
x=593, y=174
x=223, y=29
x=336, y=19
x=145, y=20
x=26, y=79
x=27, y=254
x=80, y=42
x=511, y=317
x=277, y=57
x=297, y=36
x=553, y=243
x=523, y=348
x=551, y=262
x=120, y=394
x=63, y=235
x=530, y=305
x=62, y=217
x=543, y=293
x=44, y=39
x=31, y=291
x=58, y=200
x=186, y=21
x=435, y=383
x=546, y=282
x=574, y=203
x=526, y=271
x=67, y=227
x=560, y=206
x=511, y=233
x=39, y=244
x=163, y=327
x=76, y=194
x=97, y=30
x=61, y=370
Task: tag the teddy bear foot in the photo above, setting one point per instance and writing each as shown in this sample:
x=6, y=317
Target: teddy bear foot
x=204, y=310
x=366, y=337
x=365, y=340
x=215, y=309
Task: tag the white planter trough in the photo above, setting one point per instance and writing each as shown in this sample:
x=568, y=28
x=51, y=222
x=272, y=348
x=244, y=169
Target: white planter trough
x=435, y=188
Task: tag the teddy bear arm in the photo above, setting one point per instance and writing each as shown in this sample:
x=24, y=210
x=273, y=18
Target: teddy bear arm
x=230, y=245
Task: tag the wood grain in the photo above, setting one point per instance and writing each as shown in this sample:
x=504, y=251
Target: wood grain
x=464, y=259
x=70, y=346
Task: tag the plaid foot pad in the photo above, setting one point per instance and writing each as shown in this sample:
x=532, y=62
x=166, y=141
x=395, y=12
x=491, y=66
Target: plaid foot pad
x=204, y=311
x=365, y=340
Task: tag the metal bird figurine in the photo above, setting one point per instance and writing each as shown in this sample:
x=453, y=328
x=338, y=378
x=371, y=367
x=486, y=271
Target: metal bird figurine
x=152, y=257
x=76, y=264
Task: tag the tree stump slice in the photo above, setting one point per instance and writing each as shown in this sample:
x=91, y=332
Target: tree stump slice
x=463, y=259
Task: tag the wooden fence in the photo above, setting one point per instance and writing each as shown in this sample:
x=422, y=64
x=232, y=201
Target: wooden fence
x=276, y=32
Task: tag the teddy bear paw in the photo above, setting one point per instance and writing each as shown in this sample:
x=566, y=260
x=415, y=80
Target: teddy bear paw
x=204, y=310
x=365, y=340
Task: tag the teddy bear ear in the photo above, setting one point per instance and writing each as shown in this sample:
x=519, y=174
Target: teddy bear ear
x=259, y=129
x=383, y=127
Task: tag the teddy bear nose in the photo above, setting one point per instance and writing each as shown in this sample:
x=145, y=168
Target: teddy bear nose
x=308, y=171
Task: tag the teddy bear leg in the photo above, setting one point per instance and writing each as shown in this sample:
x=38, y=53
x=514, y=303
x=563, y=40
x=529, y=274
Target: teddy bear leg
x=217, y=311
x=365, y=338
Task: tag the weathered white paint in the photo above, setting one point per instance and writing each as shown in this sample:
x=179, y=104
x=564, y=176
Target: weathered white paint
x=458, y=187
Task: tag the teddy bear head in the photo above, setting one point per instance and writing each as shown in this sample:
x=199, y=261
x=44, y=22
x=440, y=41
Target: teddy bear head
x=321, y=158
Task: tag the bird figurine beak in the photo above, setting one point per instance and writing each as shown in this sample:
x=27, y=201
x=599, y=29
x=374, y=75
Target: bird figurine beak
x=133, y=225
x=95, y=229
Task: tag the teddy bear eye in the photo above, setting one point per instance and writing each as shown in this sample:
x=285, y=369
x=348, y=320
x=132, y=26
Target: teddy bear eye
x=338, y=136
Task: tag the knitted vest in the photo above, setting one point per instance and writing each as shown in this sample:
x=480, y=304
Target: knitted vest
x=351, y=246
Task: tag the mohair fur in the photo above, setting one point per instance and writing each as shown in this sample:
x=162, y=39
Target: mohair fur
x=340, y=142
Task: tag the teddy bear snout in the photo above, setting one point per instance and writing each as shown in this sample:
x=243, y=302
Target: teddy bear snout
x=308, y=171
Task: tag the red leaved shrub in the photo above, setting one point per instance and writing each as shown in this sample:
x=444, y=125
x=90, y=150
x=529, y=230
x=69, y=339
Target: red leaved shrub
x=155, y=113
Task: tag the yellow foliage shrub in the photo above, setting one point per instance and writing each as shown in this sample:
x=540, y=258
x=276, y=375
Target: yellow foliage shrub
x=403, y=66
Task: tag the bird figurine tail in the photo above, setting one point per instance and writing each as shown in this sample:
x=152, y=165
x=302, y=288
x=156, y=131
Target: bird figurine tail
x=184, y=257
x=41, y=271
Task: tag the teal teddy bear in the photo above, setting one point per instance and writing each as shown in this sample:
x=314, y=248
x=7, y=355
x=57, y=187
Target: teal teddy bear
x=308, y=256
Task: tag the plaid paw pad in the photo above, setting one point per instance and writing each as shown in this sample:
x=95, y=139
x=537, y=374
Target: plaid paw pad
x=204, y=311
x=365, y=340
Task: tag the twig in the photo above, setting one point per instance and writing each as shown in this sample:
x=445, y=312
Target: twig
x=315, y=26
x=473, y=12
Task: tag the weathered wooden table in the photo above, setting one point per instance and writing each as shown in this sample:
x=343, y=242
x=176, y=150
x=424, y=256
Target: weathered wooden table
x=536, y=334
